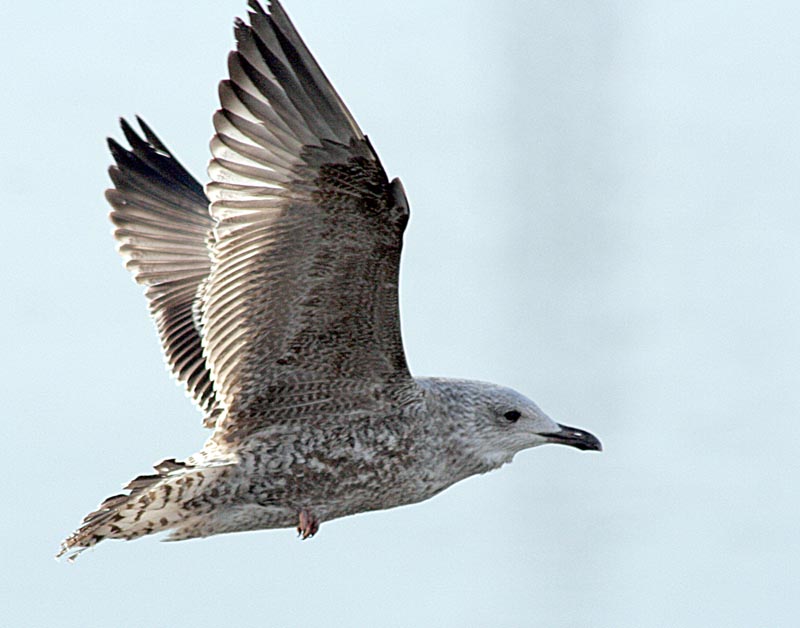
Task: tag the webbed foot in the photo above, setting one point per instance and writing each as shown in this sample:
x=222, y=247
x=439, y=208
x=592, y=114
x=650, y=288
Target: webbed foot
x=308, y=524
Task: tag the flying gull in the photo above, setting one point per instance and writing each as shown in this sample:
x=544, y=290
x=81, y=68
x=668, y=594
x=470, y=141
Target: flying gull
x=275, y=295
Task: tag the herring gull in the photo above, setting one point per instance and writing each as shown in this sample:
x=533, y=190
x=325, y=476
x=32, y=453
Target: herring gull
x=275, y=295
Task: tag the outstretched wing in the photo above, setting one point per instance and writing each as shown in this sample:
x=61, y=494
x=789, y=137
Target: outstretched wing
x=306, y=250
x=162, y=224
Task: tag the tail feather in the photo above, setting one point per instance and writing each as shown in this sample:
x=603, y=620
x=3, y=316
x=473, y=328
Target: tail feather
x=155, y=503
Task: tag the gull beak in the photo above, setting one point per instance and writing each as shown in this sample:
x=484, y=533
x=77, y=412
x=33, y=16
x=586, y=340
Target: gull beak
x=572, y=436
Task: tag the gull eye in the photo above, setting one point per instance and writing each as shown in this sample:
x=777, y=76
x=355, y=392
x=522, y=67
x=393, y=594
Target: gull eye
x=512, y=416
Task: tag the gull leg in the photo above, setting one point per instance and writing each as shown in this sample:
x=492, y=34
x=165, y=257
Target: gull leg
x=308, y=524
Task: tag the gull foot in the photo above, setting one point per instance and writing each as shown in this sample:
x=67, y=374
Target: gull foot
x=308, y=524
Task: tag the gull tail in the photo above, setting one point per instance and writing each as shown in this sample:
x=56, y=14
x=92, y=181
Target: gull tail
x=157, y=502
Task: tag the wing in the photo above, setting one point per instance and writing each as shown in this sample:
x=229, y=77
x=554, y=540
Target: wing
x=162, y=224
x=306, y=250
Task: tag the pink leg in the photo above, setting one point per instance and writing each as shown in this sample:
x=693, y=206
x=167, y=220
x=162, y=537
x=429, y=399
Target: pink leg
x=308, y=524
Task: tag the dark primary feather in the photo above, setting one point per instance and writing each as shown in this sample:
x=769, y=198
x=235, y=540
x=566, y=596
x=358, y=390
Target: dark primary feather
x=303, y=289
x=162, y=225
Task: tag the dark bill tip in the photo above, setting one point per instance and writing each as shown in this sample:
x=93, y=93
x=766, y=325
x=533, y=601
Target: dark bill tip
x=572, y=436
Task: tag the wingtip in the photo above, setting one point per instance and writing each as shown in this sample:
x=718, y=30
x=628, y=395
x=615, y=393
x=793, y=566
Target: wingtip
x=144, y=126
x=152, y=138
x=130, y=134
x=117, y=149
x=275, y=6
x=256, y=6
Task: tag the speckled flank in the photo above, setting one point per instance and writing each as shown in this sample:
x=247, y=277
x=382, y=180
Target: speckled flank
x=345, y=461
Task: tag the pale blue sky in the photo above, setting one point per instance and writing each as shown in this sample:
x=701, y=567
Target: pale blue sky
x=605, y=215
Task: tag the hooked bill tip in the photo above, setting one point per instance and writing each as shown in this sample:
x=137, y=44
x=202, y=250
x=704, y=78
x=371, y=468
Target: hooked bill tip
x=577, y=438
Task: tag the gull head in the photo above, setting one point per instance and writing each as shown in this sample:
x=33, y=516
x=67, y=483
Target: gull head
x=496, y=422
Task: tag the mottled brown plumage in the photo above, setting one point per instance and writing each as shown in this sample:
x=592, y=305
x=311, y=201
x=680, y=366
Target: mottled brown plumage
x=275, y=298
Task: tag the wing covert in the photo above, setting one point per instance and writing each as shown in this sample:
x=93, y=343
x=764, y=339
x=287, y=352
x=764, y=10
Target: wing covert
x=306, y=248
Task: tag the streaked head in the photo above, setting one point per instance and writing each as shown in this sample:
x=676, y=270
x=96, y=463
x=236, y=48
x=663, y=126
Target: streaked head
x=504, y=422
